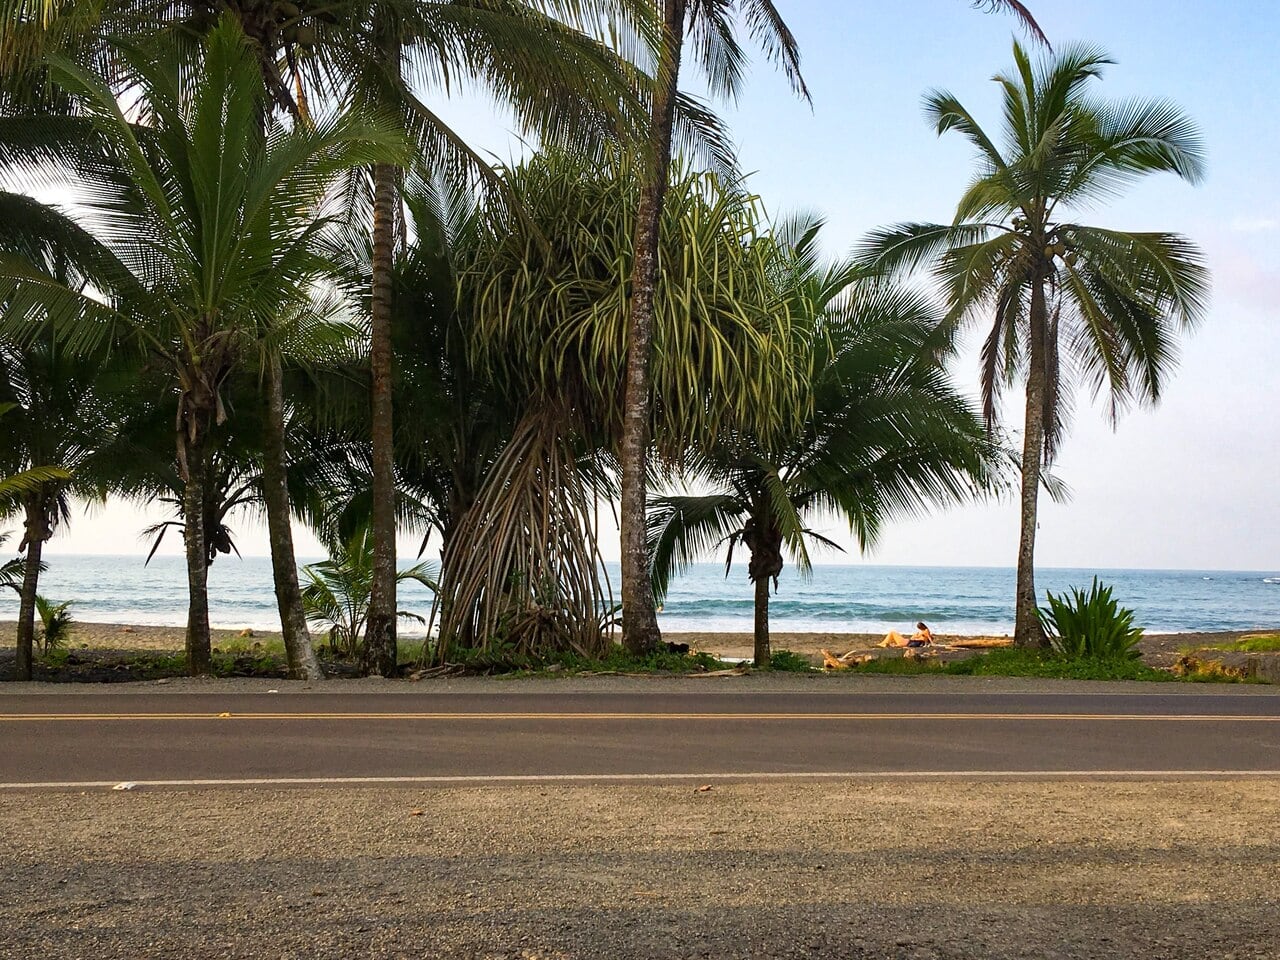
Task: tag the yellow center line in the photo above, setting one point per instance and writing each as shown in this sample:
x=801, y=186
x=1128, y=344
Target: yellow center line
x=59, y=717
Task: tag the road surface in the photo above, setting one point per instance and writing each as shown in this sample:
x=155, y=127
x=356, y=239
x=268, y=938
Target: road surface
x=158, y=739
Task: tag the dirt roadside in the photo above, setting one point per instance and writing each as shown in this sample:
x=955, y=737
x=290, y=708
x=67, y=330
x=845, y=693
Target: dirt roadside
x=910, y=870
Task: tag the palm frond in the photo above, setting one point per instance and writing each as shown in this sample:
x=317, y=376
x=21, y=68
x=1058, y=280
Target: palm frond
x=1021, y=12
x=683, y=529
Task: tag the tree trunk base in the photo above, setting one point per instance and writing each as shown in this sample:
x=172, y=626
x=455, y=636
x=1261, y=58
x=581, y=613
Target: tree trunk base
x=380, y=647
x=763, y=650
x=641, y=639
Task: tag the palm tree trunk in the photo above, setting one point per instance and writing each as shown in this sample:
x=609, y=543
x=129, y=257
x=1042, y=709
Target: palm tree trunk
x=1027, y=631
x=30, y=584
x=198, y=644
x=380, y=629
x=763, y=652
x=299, y=651
x=640, y=632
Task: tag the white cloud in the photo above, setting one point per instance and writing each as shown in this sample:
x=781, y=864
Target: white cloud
x=1254, y=224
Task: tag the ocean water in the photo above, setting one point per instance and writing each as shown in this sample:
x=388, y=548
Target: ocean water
x=861, y=598
x=965, y=600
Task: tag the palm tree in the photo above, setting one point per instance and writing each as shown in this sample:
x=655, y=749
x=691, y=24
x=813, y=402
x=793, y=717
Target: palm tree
x=206, y=233
x=14, y=489
x=87, y=34
x=562, y=87
x=711, y=28
x=885, y=435
x=338, y=589
x=55, y=623
x=63, y=416
x=1060, y=297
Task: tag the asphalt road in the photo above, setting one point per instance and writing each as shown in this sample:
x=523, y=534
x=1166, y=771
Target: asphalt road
x=234, y=739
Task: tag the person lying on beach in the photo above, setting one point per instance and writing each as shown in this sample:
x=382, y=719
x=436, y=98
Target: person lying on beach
x=921, y=638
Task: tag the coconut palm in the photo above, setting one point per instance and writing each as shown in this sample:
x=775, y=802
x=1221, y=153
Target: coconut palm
x=202, y=235
x=56, y=622
x=710, y=27
x=561, y=86
x=64, y=413
x=337, y=590
x=886, y=435
x=13, y=488
x=1061, y=301
x=231, y=486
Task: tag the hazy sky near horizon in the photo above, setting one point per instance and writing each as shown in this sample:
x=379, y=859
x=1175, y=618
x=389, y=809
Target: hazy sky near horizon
x=1189, y=484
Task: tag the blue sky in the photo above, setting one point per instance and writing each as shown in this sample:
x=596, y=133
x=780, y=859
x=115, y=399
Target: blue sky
x=1190, y=484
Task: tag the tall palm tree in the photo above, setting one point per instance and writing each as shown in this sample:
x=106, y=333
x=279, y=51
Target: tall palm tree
x=203, y=232
x=29, y=29
x=562, y=87
x=885, y=434
x=710, y=26
x=1060, y=299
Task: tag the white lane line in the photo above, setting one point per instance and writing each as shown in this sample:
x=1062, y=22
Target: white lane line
x=563, y=716
x=647, y=778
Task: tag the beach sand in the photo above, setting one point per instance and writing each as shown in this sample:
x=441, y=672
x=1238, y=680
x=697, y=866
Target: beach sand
x=1158, y=649
x=117, y=636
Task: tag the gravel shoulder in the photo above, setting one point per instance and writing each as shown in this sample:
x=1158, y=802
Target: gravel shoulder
x=911, y=869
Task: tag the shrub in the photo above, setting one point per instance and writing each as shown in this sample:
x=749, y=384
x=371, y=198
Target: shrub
x=55, y=623
x=789, y=661
x=1090, y=626
x=1017, y=662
